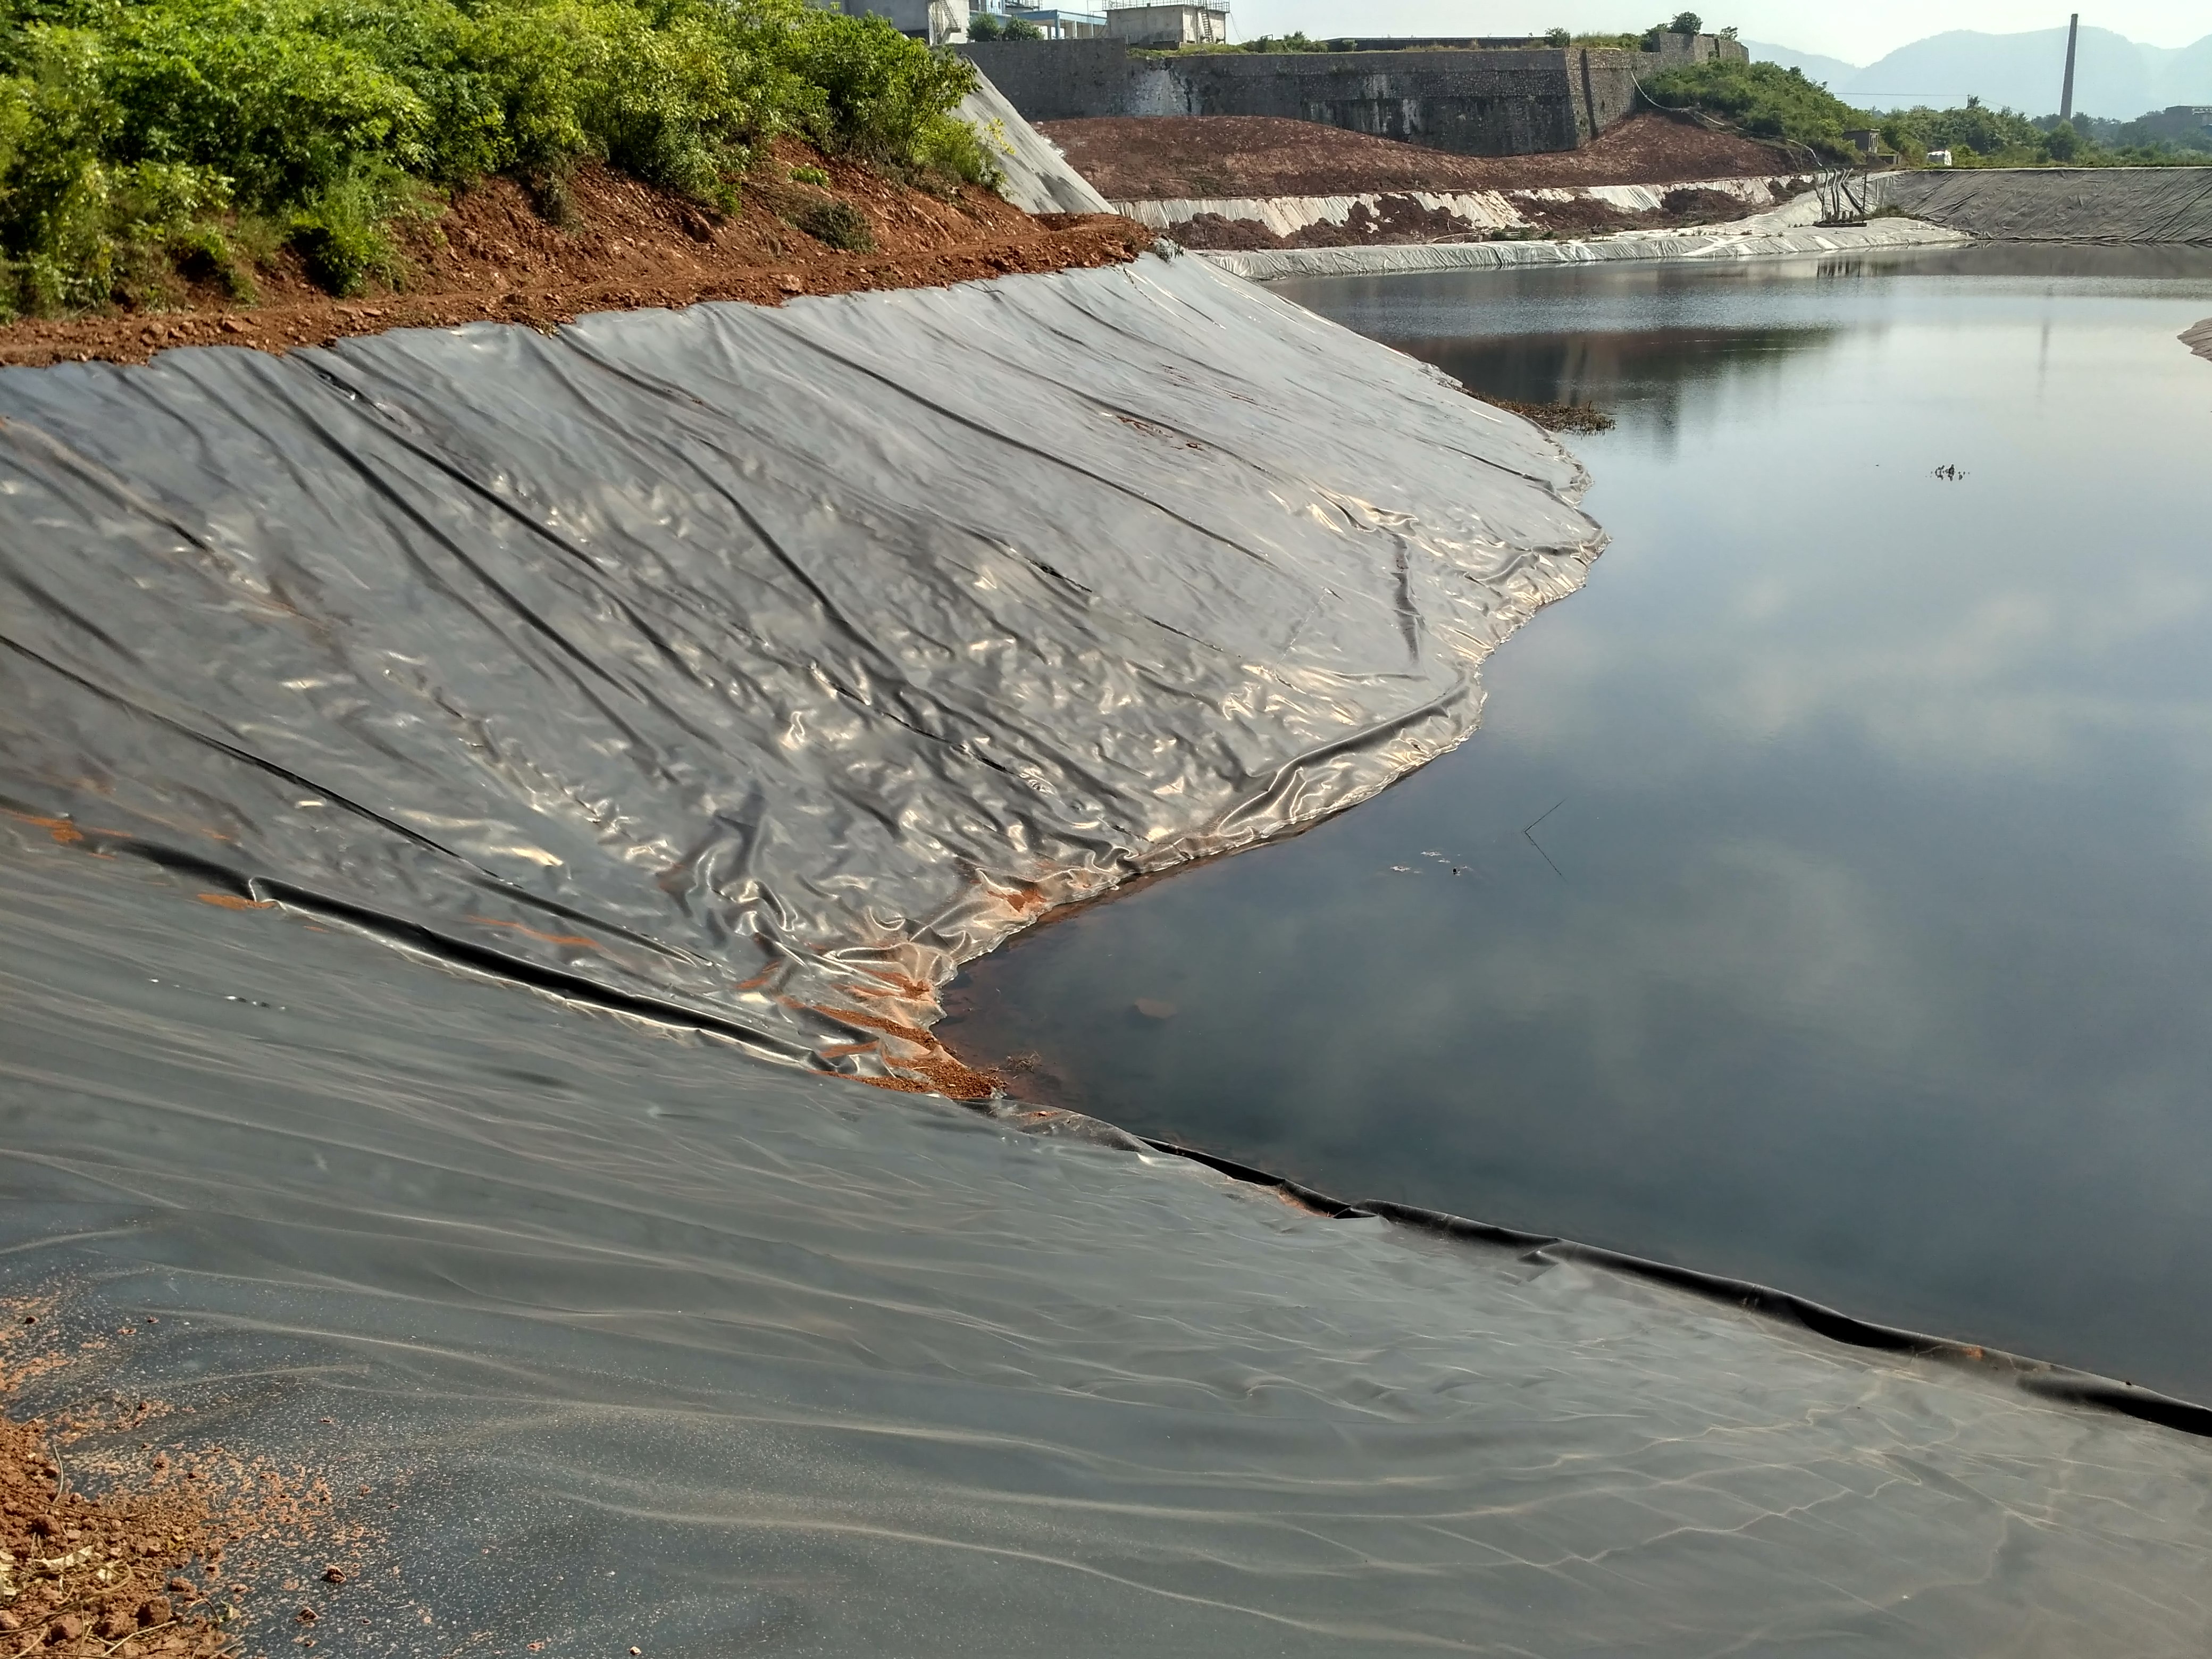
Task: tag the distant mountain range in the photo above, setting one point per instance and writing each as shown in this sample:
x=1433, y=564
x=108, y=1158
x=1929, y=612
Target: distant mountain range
x=2113, y=77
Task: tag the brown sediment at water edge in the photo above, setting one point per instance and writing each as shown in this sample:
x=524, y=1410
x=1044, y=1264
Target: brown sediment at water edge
x=125, y=1533
x=1553, y=417
x=492, y=254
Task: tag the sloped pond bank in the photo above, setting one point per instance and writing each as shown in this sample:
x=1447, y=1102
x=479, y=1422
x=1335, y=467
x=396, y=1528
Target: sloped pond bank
x=443, y=771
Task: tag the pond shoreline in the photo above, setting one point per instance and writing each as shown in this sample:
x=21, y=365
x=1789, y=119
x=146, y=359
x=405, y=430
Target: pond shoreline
x=1721, y=245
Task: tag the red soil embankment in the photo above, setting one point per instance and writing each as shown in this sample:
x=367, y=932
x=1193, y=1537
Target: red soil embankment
x=491, y=255
x=1155, y=158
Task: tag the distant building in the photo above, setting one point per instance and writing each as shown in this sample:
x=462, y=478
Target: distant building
x=1865, y=140
x=1062, y=22
x=908, y=17
x=1144, y=24
x=939, y=21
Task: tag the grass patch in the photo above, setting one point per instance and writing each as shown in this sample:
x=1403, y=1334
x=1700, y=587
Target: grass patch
x=146, y=143
x=836, y=223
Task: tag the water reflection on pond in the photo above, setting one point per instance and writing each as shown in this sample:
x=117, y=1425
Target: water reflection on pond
x=1864, y=945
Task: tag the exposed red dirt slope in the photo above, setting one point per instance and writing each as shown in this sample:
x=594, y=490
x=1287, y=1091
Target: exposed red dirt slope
x=129, y=1532
x=86, y=1577
x=1140, y=158
x=492, y=255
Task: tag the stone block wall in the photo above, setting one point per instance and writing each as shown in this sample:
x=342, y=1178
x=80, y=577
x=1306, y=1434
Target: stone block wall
x=1508, y=102
x=1059, y=80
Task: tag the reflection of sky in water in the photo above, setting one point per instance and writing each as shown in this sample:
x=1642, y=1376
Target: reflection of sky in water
x=1877, y=960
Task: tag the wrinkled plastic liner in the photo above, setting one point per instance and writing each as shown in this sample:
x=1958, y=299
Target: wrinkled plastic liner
x=676, y=691
x=756, y=667
x=2058, y=204
x=634, y=1342
x=2036, y=1377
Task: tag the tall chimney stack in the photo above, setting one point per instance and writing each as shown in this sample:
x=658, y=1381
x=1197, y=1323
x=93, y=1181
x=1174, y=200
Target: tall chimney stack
x=2066, y=98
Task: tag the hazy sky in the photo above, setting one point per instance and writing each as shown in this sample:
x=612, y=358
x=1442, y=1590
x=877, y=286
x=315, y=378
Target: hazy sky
x=1859, y=32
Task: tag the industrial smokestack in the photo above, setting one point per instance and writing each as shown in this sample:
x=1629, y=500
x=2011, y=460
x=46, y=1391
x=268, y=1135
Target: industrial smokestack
x=2066, y=98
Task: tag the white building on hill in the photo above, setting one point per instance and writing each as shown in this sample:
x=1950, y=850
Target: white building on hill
x=1144, y=23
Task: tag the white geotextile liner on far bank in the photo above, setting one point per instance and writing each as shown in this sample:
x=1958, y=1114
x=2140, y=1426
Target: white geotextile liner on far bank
x=757, y=665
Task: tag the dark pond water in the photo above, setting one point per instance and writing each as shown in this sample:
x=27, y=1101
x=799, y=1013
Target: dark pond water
x=1862, y=943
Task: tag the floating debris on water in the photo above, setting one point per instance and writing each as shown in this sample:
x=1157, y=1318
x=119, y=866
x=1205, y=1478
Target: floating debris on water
x=1553, y=417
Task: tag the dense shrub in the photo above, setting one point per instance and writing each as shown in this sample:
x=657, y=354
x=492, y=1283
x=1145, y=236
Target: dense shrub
x=987, y=26
x=2143, y=138
x=139, y=135
x=1977, y=136
x=840, y=224
x=1683, y=22
x=1294, y=41
x=868, y=91
x=1764, y=99
x=1973, y=133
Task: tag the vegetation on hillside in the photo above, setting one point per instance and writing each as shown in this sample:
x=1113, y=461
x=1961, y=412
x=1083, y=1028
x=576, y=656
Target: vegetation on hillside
x=1295, y=41
x=1682, y=22
x=140, y=137
x=2150, y=135
x=1763, y=100
x=1768, y=101
x=1977, y=136
x=985, y=26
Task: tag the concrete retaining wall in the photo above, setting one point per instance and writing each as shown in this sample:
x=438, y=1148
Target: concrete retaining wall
x=1475, y=103
x=2059, y=204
